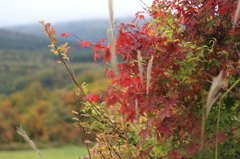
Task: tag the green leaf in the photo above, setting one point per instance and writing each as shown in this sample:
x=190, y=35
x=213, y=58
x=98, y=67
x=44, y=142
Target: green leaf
x=153, y=23
x=162, y=5
x=210, y=24
x=228, y=39
x=215, y=63
x=156, y=10
x=84, y=87
x=228, y=24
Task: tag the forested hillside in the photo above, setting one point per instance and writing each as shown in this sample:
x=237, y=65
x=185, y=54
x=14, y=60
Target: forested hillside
x=20, y=41
x=26, y=58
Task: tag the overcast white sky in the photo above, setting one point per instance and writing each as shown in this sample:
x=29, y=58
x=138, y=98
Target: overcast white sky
x=21, y=12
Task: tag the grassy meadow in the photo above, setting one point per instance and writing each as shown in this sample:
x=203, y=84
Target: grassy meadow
x=66, y=152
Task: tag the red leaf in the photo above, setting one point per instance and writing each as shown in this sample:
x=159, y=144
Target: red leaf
x=96, y=56
x=176, y=155
x=145, y=133
x=130, y=116
x=209, y=3
x=85, y=43
x=141, y=16
x=113, y=99
x=110, y=75
x=106, y=70
x=172, y=47
x=165, y=114
x=145, y=153
x=165, y=130
x=193, y=148
x=65, y=34
x=92, y=97
x=172, y=102
x=222, y=9
x=181, y=55
x=221, y=136
x=97, y=46
x=140, y=144
x=150, y=121
x=107, y=55
x=161, y=99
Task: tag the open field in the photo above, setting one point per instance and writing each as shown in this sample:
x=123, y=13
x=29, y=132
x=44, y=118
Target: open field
x=66, y=152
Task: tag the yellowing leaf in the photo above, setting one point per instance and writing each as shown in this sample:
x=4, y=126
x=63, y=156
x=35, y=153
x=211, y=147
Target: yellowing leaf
x=47, y=26
x=75, y=125
x=41, y=22
x=52, y=32
x=74, y=112
x=86, y=115
x=88, y=141
x=83, y=124
x=54, y=51
x=51, y=46
x=59, y=61
x=44, y=31
x=54, y=40
x=143, y=128
x=74, y=118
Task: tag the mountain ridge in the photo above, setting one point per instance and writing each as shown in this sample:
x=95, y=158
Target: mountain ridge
x=87, y=30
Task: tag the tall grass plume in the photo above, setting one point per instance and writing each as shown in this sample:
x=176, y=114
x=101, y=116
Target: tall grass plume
x=112, y=39
x=21, y=132
x=149, y=70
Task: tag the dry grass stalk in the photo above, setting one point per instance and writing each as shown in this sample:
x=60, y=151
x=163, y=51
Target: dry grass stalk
x=236, y=16
x=140, y=66
x=110, y=9
x=112, y=39
x=137, y=111
x=149, y=70
x=21, y=132
x=213, y=94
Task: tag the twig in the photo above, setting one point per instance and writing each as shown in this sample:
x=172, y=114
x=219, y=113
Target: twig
x=82, y=128
x=113, y=148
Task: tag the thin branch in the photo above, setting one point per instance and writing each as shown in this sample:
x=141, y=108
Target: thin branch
x=81, y=128
x=113, y=148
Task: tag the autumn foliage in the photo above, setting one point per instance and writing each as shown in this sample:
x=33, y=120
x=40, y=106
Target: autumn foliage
x=162, y=102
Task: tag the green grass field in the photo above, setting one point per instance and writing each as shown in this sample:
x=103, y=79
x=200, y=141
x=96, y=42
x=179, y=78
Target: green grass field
x=67, y=152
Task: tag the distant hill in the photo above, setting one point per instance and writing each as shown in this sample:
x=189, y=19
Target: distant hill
x=88, y=30
x=21, y=41
x=10, y=40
